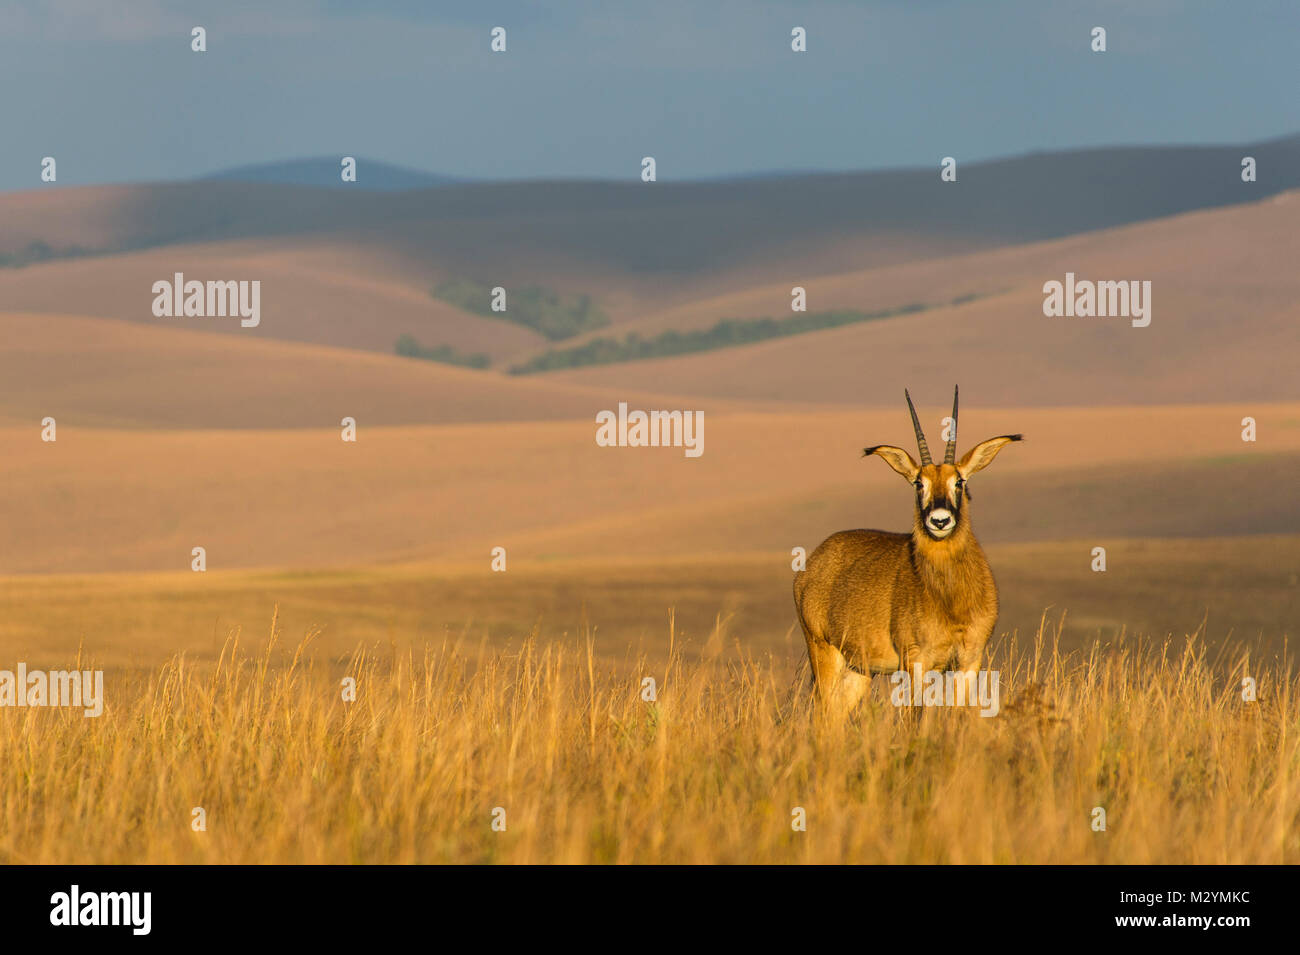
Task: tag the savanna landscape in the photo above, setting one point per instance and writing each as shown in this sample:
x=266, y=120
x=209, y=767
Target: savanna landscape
x=518, y=683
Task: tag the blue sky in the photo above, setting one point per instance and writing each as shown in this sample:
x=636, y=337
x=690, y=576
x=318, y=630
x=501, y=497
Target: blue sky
x=709, y=87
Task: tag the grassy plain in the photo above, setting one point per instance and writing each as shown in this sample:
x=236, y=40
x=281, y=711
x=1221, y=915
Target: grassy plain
x=578, y=766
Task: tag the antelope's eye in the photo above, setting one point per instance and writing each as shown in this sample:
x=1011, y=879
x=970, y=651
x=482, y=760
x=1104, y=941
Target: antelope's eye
x=960, y=484
x=920, y=486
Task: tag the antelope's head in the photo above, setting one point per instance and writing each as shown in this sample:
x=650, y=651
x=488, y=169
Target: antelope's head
x=942, y=490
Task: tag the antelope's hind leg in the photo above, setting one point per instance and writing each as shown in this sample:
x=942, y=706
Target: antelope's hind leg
x=837, y=688
x=853, y=687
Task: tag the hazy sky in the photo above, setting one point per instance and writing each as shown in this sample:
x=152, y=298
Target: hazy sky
x=111, y=89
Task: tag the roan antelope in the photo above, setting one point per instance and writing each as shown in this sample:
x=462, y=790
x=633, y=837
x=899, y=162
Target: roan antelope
x=875, y=602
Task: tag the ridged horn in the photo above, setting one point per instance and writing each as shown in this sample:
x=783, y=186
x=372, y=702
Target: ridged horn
x=950, y=451
x=920, y=435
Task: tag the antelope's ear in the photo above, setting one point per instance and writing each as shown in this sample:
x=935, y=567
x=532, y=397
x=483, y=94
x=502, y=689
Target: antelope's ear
x=982, y=455
x=896, y=458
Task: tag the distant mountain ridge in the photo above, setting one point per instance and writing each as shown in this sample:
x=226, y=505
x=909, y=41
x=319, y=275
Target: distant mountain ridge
x=325, y=171
x=571, y=230
x=387, y=177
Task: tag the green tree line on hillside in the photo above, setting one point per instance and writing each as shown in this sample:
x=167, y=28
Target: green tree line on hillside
x=407, y=345
x=725, y=334
x=532, y=306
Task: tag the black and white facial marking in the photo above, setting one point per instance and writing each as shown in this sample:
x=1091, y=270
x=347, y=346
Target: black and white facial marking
x=940, y=496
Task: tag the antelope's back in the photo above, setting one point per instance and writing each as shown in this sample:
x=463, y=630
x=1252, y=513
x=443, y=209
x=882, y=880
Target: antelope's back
x=850, y=576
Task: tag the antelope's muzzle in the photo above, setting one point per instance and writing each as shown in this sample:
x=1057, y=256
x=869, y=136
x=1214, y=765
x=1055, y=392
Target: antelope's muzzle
x=940, y=522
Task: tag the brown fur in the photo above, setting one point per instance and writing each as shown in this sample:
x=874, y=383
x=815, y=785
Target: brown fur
x=875, y=602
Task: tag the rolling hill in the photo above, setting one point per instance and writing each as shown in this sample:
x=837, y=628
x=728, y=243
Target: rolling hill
x=105, y=499
x=95, y=373
x=1223, y=283
x=666, y=231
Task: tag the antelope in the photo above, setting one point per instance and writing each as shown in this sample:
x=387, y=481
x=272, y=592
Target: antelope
x=878, y=602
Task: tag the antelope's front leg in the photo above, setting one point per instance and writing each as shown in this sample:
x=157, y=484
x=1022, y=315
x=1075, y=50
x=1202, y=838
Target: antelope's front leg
x=914, y=661
x=970, y=644
x=970, y=650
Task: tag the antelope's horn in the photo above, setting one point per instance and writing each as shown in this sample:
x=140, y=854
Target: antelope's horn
x=920, y=435
x=950, y=452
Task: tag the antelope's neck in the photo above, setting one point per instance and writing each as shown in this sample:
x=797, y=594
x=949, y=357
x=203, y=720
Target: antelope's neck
x=949, y=567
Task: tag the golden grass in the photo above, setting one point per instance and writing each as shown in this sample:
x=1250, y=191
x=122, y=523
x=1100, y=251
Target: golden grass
x=588, y=771
x=1237, y=591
